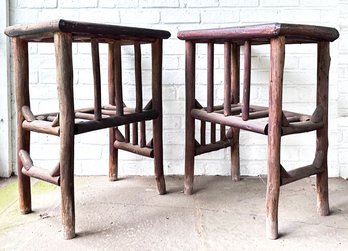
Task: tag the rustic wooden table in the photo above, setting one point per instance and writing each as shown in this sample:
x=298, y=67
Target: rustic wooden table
x=272, y=120
x=67, y=122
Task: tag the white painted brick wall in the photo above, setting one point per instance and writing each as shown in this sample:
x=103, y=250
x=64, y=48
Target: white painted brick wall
x=174, y=15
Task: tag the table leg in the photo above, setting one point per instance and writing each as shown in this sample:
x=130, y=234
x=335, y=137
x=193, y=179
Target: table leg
x=235, y=92
x=63, y=51
x=274, y=135
x=190, y=122
x=113, y=152
x=157, y=105
x=322, y=134
x=21, y=75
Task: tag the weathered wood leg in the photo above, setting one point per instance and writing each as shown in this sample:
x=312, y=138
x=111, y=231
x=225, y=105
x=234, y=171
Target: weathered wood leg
x=113, y=152
x=158, y=123
x=21, y=75
x=274, y=136
x=235, y=168
x=190, y=122
x=235, y=93
x=322, y=134
x=63, y=51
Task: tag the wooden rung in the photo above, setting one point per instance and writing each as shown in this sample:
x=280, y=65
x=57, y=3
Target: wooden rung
x=55, y=122
x=317, y=115
x=118, y=79
x=258, y=114
x=285, y=121
x=36, y=172
x=27, y=162
x=299, y=173
x=300, y=127
x=119, y=136
x=203, y=131
x=212, y=147
x=41, y=174
x=227, y=79
x=138, y=78
x=233, y=121
x=210, y=77
x=246, y=83
x=212, y=133
x=222, y=132
x=96, y=77
x=142, y=134
x=91, y=125
x=55, y=171
x=144, y=151
x=235, y=80
x=135, y=133
x=41, y=126
x=27, y=113
x=87, y=116
x=319, y=159
x=126, y=133
x=150, y=144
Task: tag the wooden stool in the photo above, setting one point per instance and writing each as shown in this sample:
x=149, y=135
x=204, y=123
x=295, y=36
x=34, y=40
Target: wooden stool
x=272, y=120
x=68, y=122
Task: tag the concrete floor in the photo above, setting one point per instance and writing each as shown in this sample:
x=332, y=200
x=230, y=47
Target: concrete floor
x=129, y=215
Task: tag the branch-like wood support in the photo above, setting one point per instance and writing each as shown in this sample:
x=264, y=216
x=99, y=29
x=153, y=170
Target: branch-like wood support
x=36, y=172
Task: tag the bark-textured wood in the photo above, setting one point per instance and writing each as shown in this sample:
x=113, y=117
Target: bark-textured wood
x=212, y=133
x=235, y=76
x=212, y=147
x=156, y=50
x=92, y=125
x=36, y=172
x=63, y=52
x=96, y=77
x=55, y=171
x=138, y=78
x=118, y=78
x=144, y=151
x=210, y=77
x=190, y=68
x=27, y=113
x=274, y=135
x=233, y=121
x=323, y=67
x=41, y=126
x=138, y=93
x=21, y=78
x=227, y=79
x=235, y=94
x=135, y=133
x=246, y=83
x=113, y=152
x=55, y=121
x=203, y=132
x=83, y=31
x=261, y=34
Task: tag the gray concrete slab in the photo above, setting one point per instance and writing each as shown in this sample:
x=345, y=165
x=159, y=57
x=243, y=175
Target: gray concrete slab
x=129, y=215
